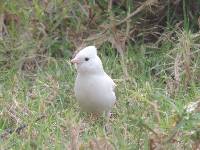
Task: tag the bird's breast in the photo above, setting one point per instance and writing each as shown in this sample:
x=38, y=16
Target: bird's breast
x=86, y=87
x=93, y=89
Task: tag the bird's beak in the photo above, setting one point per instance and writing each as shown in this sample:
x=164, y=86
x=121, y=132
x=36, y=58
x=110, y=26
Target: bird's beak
x=75, y=61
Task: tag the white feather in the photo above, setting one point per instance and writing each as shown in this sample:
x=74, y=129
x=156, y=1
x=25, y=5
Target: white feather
x=94, y=89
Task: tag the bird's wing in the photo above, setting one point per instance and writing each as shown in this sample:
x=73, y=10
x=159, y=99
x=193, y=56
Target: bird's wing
x=111, y=82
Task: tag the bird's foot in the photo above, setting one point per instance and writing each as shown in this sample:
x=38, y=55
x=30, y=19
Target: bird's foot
x=94, y=116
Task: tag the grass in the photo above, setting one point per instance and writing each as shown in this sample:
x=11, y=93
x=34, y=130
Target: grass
x=143, y=107
x=38, y=109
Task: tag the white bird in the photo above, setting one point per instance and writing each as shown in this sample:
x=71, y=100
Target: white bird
x=94, y=89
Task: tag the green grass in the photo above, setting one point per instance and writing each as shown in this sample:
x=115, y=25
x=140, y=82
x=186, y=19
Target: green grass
x=37, y=79
x=50, y=93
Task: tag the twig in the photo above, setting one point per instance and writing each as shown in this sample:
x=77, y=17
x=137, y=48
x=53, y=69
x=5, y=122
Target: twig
x=176, y=72
x=173, y=133
x=75, y=131
x=40, y=118
x=110, y=6
x=148, y=128
x=139, y=9
x=1, y=25
x=155, y=106
x=100, y=6
x=19, y=129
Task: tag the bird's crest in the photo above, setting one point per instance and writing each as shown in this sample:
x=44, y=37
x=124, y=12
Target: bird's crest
x=92, y=50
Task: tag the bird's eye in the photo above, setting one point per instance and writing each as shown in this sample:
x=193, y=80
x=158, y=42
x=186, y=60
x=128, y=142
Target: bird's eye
x=86, y=58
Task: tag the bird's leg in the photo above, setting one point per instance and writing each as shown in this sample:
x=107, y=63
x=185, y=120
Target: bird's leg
x=107, y=127
x=94, y=116
x=109, y=114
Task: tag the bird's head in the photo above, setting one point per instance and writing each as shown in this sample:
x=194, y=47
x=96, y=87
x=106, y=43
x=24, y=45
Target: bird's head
x=87, y=61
